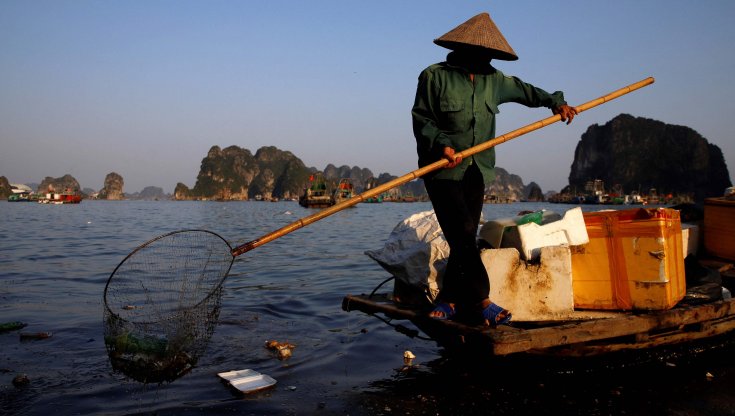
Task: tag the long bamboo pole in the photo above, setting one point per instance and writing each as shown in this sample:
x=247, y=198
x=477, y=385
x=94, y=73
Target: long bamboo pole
x=430, y=168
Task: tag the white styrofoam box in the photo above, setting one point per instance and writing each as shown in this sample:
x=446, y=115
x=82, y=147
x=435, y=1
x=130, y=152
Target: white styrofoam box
x=569, y=230
x=533, y=293
x=689, y=238
x=503, y=232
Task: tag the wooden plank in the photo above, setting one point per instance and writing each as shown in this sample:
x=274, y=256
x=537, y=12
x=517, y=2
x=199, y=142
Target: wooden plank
x=714, y=318
x=376, y=304
x=381, y=304
x=599, y=329
x=713, y=328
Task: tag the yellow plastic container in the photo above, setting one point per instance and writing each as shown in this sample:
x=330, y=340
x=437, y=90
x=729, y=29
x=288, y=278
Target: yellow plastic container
x=634, y=260
x=719, y=227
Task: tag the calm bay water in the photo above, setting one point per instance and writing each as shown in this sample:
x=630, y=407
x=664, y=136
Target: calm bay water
x=56, y=259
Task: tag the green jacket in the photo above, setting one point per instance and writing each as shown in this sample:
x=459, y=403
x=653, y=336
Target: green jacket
x=451, y=110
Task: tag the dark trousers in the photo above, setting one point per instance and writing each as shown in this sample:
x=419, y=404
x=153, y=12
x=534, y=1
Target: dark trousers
x=458, y=205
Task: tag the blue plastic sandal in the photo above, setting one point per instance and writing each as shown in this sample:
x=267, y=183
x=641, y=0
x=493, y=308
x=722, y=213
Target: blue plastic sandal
x=492, y=314
x=446, y=309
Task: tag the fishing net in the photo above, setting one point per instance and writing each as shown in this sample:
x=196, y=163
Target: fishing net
x=158, y=351
x=162, y=302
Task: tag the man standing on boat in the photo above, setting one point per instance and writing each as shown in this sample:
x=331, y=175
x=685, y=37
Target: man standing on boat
x=455, y=107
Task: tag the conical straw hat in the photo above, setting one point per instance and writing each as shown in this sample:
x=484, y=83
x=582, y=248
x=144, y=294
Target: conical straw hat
x=478, y=31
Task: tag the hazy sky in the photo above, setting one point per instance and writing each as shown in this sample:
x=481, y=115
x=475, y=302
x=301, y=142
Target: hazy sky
x=145, y=87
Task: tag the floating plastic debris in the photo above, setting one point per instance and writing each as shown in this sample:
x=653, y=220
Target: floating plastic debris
x=21, y=380
x=35, y=335
x=408, y=357
x=247, y=380
x=11, y=326
x=284, y=350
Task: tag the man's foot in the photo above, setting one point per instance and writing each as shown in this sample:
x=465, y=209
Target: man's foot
x=493, y=314
x=443, y=311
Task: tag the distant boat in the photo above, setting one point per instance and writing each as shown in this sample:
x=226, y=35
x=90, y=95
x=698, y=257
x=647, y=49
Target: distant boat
x=374, y=199
x=21, y=193
x=370, y=184
x=497, y=199
x=67, y=197
x=652, y=198
x=317, y=194
x=19, y=197
x=19, y=188
x=408, y=197
x=634, y=198
x=345, y=190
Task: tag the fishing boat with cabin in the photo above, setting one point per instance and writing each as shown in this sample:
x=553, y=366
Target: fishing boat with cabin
x=21, y=193
x=68, y=196
x=316, y=195
x=345, y=190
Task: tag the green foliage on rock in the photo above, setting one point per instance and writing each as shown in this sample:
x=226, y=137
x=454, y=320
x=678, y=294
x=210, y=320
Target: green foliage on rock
x=66, y=182
x=113, y=187
x=234, y=173
x=182, y=192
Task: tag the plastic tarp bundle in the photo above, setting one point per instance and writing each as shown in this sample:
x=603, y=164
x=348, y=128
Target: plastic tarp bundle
x=416, y=254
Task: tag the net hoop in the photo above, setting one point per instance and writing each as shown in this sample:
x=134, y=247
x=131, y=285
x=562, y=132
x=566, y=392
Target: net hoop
x=225, y=251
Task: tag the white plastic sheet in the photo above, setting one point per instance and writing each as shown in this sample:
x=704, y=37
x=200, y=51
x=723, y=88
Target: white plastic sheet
x=416, y=253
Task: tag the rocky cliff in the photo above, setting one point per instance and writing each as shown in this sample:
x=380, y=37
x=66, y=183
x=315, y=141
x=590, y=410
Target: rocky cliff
x=5, y=190
x=182, y=192
x=358, y=176
x=235, y=173
x=62, y=184
x=282, y=175
x=639, y=154
x=533, y=193
x=113, y=189
x=506, y=186
x=149, y=193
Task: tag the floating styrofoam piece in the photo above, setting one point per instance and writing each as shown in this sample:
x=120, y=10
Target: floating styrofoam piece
x=248, y=380
x=253, y=383
x=569, y=230
x=231, y=375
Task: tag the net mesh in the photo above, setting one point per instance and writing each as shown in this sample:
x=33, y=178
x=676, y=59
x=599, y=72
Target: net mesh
x=164, y=350
x=162, y=302
x=170, y=273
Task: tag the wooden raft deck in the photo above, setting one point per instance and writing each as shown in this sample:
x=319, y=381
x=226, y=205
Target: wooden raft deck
x=585, y=337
